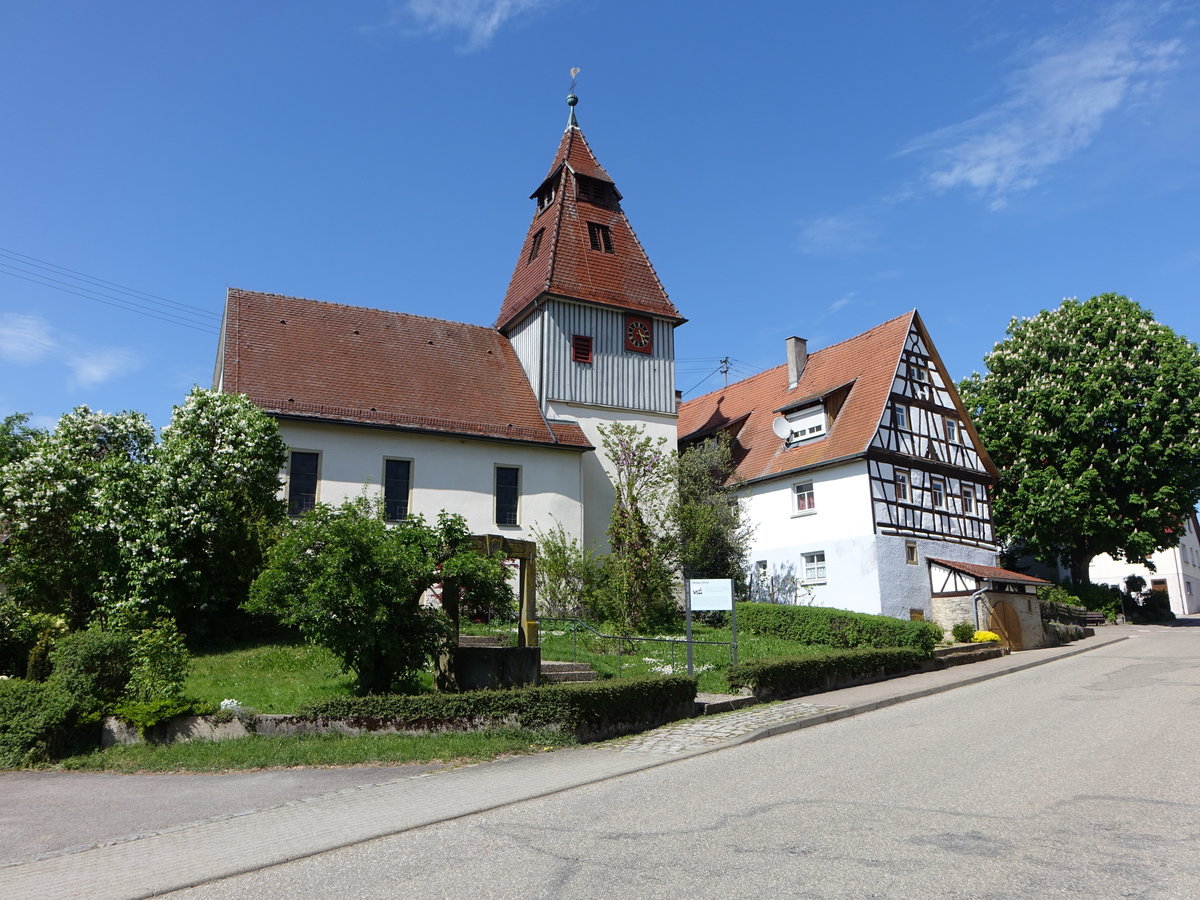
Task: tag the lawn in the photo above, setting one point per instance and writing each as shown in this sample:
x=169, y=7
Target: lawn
x=656, y=657
x=272, y=678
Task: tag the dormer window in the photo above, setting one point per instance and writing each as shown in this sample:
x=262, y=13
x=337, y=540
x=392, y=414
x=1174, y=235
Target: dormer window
x=600, y=237
x=545, y=197
x=807, y=424
x=593, y=191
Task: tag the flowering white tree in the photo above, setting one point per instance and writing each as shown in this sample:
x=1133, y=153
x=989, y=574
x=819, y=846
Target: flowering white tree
x=103, y=525
x=68, y=507
x=213, y=483
x=1092, y=413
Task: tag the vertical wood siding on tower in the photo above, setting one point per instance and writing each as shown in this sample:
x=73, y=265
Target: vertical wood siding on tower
x=526, y=340
x=616, y=377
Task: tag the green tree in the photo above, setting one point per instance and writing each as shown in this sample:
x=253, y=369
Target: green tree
x=69, y=506
x=352, y=583
x=707, y=517
x=1092, y=413
x=16, y=438
x=640, y=569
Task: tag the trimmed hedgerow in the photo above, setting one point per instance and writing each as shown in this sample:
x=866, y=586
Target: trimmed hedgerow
x=38, y=722
x=779, y=679
x=839, y=628
x=590, y=711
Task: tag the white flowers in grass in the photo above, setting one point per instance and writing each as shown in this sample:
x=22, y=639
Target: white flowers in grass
x=232, y=705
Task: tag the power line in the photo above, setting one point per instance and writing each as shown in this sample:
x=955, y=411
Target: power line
x=71, y=281
x=166, y=317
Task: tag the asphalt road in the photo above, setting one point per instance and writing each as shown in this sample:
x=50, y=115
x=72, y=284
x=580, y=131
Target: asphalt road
x=1066, y=780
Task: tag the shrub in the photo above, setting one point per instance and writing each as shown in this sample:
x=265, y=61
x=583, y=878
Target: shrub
x=145, y=714
x=159, y=663
x=19, y=632
x=963, y=632
x=93, y=666
x=981, y=637
x=1156, y=607
x=780, y=679
x=38, y=722
x=569, y=576
x=840, y=628
x=589, y=711
x=38, y=665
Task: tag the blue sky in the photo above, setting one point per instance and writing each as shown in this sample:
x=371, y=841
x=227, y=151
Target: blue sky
x=791, y=168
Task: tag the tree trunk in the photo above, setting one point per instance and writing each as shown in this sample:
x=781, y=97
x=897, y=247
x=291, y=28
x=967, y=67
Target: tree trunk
x=1081, y=563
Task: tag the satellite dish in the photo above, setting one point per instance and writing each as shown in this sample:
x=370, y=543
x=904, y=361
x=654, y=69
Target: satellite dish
x=782, y=428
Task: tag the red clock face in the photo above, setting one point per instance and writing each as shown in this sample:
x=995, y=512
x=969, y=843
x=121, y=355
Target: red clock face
x=638, y=334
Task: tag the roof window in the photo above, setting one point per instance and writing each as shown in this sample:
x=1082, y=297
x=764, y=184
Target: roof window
x=535, y=246
x=600, y=237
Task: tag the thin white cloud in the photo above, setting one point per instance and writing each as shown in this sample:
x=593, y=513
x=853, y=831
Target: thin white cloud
x=25, y=339
x=478, y=20
x=1055, y=105
x=837, y=235
x=97, y=366
x=842, y=302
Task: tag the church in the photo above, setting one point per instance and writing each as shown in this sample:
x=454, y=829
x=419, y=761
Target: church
x=499, y=424
x=860, y=470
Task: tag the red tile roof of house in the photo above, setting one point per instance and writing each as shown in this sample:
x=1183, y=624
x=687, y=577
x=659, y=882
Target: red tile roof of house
x=868, y=362
x=565, y=264
x=311, y=359
x=990, y=573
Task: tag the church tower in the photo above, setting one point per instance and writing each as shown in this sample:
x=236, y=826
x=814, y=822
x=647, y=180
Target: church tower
x=588, y=317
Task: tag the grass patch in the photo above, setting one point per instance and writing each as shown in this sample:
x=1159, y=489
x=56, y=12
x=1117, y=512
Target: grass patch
x=642, y=657
x=273, y=678
x=316, y=750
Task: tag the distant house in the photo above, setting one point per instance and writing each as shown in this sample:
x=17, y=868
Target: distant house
x=1176, y=571
x=860, y=467
x=499, y=424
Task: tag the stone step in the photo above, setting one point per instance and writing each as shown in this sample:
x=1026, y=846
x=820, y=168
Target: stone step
x=558, y=671
x=563, y=677
x=558, y=665
x=481, y=640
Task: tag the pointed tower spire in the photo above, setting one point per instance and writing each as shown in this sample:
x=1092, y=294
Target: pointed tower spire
x=580, y=245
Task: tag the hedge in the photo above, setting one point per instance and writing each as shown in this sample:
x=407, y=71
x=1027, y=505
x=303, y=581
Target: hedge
x=38, y=722
x=779, y=679
x=840, y=628
x=590, y=711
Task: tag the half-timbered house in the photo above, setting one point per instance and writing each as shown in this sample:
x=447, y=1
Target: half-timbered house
x=859, y=464
x=500, y=423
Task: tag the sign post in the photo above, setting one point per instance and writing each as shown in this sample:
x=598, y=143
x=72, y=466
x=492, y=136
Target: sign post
x=709, y=594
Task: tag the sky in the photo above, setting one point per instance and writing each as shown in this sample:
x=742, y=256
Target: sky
x=790, y=167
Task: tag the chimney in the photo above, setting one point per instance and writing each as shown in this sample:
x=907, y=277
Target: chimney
x=797, y=356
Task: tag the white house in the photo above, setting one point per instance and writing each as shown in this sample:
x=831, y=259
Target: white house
x=499, y=424
x=860, y=465
x=1176, y=571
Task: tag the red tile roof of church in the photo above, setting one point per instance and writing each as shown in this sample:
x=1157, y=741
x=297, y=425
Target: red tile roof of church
x=565, y=265
x=311, y=359
x=867, y=361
